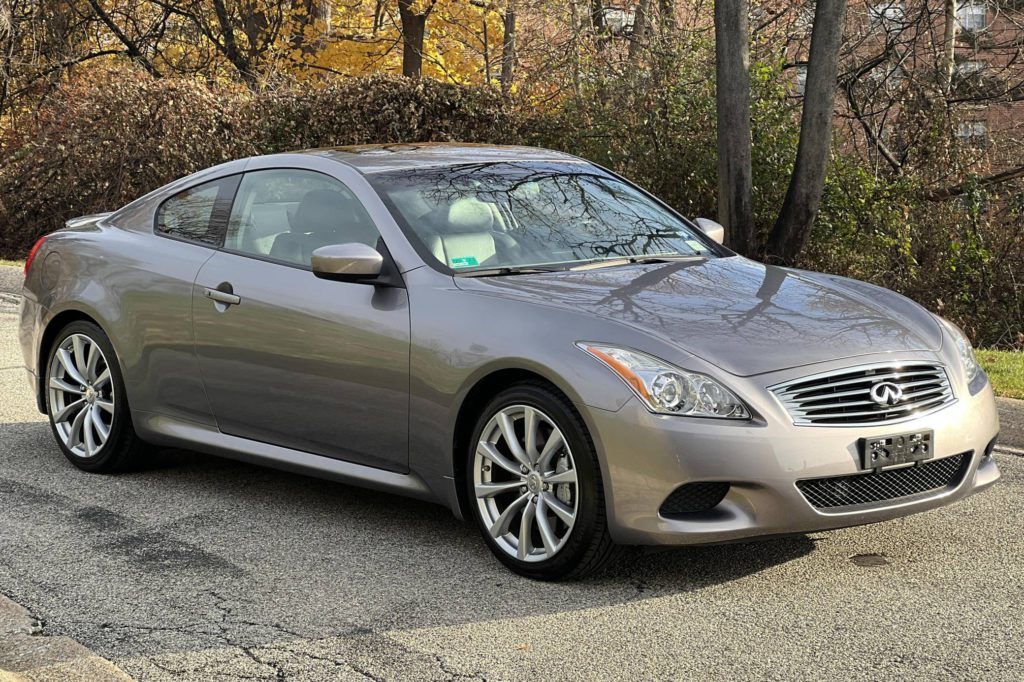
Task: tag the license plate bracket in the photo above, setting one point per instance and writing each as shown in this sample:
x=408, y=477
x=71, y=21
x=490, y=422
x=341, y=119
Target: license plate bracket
x=903, y=448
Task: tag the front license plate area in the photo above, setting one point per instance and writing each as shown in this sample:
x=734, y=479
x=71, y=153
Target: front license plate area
x=904, y=448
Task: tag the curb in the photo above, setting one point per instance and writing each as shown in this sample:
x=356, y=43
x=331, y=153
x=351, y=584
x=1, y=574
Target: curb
x=10, y=279
x=1011, y=423
x=29, y=655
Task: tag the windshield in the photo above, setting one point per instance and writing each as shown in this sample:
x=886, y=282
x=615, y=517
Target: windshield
x=528, y=215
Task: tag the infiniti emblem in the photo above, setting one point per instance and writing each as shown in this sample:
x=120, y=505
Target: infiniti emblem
x=886, y=393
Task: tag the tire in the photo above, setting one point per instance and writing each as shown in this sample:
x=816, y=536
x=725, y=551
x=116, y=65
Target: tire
x=102, y=407
x=557, y=479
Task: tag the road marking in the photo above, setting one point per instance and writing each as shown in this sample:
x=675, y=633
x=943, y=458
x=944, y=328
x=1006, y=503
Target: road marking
x=1007, y=450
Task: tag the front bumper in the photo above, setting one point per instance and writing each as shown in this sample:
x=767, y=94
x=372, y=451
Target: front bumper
x=645, y=457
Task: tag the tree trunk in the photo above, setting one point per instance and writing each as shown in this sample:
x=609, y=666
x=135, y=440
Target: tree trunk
x=949, y=47
x=414, y=27
x=230, y=46
x=807, y=183
x=641, y=28
x=667, y=9
x=597, y=16
x=305, y=14
x=508, y=49
x=735, y=203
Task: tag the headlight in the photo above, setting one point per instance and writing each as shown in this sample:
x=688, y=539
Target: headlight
x=665, y=389
x=964, y=349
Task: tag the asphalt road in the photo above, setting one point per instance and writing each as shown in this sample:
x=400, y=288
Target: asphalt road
x=204, y=569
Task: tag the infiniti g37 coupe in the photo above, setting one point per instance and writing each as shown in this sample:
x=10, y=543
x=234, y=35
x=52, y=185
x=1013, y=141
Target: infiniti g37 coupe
x=515, y=333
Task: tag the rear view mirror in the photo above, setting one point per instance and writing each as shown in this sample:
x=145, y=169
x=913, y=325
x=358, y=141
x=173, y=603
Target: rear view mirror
x=711, y=229
x=347, y=262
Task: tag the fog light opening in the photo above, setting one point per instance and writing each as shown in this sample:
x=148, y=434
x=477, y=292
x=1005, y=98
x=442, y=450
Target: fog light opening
x=694, y=498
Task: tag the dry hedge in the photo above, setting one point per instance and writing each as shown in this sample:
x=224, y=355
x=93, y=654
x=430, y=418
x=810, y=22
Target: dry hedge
x=101, y=143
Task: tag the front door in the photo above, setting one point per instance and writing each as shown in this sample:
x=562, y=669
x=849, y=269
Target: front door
x=290, y=359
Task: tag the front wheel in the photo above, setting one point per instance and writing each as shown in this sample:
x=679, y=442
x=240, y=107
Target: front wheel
x=534, y=485
x=86, y=403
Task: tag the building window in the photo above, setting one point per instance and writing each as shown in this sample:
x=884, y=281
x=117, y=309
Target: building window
x=970, y=67
x=619, y=21
x=888, y=14
x=972, y=16
x=972, y=132
x=805, y=18
x=890, y=75
x=801, y=79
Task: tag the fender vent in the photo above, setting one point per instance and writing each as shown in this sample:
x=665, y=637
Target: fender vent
x=692, y=498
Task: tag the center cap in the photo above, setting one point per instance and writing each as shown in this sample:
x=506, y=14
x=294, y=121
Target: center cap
x=534, y=483
x=90, y=395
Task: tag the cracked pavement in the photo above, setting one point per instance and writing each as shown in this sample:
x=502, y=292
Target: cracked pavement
x=200, y=568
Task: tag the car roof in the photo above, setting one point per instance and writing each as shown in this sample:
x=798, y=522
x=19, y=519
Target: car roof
x=377, y=158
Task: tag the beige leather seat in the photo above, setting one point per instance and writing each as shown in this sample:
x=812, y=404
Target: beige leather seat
x=467, y=233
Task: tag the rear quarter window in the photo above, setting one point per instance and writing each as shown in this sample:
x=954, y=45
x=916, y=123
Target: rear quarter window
x=200, y=213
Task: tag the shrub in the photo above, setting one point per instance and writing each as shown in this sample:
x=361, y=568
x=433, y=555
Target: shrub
x=102, y=142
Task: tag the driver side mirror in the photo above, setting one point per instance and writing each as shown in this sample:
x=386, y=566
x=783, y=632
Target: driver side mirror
x=347, y=262
x=711, y=229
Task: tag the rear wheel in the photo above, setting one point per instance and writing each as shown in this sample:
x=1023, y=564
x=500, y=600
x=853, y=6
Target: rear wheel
x=86, y=403
x=535, y=485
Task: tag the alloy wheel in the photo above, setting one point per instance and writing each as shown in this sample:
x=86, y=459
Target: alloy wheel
x=525, y=483
x=81, y=395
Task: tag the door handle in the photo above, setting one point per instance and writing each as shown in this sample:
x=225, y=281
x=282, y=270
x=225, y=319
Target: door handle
x=222, y=297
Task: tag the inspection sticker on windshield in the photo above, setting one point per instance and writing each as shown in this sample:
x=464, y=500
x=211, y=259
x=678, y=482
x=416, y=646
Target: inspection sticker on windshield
x=463, y=262
x=695, y=245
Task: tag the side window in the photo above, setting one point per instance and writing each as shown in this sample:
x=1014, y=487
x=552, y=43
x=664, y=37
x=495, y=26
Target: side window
x=286, y=214
x=198, y=214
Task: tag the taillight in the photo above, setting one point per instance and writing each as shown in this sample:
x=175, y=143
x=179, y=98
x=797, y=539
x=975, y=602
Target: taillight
x=32, y=254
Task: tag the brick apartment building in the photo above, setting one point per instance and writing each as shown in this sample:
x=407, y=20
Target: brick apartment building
x=907, y=40
x=888, y=45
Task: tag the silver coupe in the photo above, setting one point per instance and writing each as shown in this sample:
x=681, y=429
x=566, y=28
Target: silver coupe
x=518, y=334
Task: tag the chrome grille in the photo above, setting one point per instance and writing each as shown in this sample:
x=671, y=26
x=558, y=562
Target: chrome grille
x=861, y=489
x=844, y=397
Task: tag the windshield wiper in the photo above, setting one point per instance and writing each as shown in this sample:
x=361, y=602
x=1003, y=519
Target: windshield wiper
x=635, y=260
x=502, y=271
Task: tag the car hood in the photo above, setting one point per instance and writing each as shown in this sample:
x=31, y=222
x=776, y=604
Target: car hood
x=740, y=315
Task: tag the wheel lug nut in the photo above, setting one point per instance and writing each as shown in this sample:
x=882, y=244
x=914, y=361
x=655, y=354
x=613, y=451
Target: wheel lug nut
x=522, y=490
x=523, y=469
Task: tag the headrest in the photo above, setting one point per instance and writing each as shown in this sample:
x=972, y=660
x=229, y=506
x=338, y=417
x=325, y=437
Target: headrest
x=322, y=210
x=469, y=214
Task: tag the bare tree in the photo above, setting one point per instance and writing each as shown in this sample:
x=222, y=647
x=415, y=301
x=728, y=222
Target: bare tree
x=130, y=46
x=807, y=184
x=949, y=45
x=732, y=54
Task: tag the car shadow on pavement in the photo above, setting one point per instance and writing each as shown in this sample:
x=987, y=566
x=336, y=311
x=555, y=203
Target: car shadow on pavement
x=196, y=546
